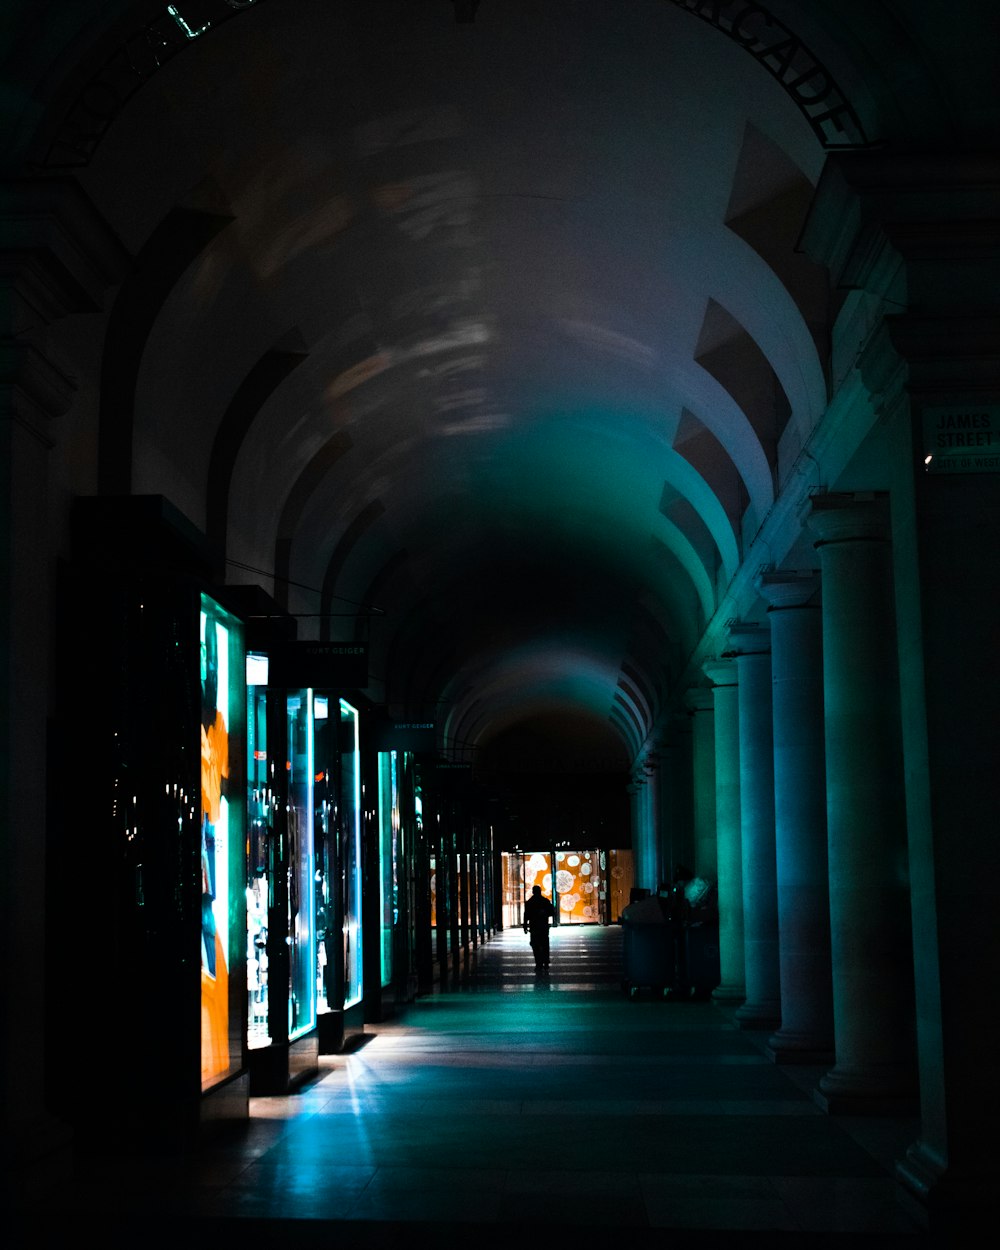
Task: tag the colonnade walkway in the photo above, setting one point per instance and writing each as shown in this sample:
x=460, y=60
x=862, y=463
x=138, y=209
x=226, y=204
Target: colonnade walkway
x=509, y=1099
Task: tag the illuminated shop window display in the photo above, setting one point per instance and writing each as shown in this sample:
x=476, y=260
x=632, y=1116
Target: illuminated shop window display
x=221, y=836
x=260, y=824
x=512, y=887
x=350, y=848
x=281, y=861
x=324, y=836
x=300, y=864
x=390, y=850
x=580, y=883
x=620, y=880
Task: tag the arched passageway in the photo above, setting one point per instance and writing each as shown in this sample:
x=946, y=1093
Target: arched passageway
x=612, y=391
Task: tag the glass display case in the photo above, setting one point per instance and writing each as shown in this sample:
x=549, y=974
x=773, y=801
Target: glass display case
x=281, y=928
x=156, y=709
x=325, y=809
x=390, y=857
x=350, y=852
x=221, y=835
x=260, y=823
x=300, y=863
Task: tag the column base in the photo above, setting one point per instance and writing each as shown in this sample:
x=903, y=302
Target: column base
x=888, y=1091
x=762, y=1015
x=794, y=1046
x=957, y=1207
x=921, y=1170
x=729, y=993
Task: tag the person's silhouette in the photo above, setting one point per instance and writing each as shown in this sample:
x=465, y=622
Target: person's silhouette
x=538, y=911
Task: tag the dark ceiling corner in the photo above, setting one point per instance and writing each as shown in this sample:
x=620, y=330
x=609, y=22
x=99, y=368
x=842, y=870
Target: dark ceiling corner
x=465, y=11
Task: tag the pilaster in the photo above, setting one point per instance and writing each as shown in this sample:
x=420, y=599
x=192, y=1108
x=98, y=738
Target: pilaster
x=750, y=644
x=725, y=690
x=700, y=704
x=869, y=898
x=806, y=1033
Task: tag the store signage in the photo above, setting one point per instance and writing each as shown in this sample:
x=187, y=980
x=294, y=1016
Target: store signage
x=322, y=665
x=783, y=54
x=417, y=736
x=962, y=438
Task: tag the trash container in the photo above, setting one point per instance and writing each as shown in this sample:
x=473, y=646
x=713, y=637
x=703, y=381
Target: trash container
x=671, y=942
x=647, y=946
x=701, y=952
x=701, y=937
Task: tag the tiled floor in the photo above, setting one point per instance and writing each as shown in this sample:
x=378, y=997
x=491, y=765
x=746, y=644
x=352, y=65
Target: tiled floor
x=514, y=1098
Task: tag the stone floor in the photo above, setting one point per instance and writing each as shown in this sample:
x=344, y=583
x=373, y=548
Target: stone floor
x=510, y=1099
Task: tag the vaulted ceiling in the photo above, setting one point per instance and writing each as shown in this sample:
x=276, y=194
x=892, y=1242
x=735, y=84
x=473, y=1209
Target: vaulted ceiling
x=485, y=341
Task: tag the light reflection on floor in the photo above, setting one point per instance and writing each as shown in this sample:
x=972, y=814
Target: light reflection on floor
x=508, y=1093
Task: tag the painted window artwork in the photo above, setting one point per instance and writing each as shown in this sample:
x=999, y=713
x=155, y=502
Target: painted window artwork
x=216, y=715
x=579, y=883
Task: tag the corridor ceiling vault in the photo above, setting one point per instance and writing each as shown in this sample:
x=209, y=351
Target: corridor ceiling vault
x=489, y=342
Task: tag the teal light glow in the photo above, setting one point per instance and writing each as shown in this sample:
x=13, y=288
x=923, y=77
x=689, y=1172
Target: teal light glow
x=257, y=666
x=222, y=833
x=388, y=818
x=189, y=31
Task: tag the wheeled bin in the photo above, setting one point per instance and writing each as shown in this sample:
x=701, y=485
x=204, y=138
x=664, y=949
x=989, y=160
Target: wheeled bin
x=701, y=968
x=701, y=947
x=648, y=951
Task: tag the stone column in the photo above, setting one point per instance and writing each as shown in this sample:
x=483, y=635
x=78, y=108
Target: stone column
x=654, y=792
x=671, y=777
x=806, y=1033
x=722, y=673
x=762, y=1009
x=700, y=704
x=677, y=764
x=869, y=892
x=643, y=866
x=918, y=229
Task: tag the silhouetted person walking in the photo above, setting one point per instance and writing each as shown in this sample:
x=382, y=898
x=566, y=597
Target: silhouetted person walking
x=538, y=911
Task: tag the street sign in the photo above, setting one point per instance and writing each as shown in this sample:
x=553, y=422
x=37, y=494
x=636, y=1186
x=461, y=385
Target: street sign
x=962, y=438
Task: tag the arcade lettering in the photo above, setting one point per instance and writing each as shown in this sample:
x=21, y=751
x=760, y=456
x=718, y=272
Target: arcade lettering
x=787, y=59
x=768, y=40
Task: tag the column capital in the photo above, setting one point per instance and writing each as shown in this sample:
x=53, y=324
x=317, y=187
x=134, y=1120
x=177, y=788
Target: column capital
x=840, y=517
x=794, y=588
x=721, y=672
x=749, y=638
x=872, y=209
x=675, y=722
x=951, y=354
x=699, y=699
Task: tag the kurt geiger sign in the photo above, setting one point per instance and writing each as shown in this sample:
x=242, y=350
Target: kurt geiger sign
x=962, y=438
x=325, y=665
